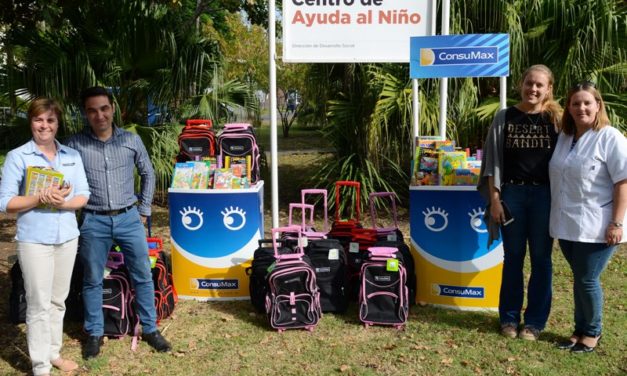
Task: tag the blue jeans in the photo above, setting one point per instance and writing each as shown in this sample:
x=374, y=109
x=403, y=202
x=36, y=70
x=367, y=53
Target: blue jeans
x=587, y=261
x=530, y=206
x=98, y=233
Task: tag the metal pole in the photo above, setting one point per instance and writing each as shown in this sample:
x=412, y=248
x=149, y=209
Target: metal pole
x=416, y=117
x=274, y=167
x=503, y=92
x=446, y=9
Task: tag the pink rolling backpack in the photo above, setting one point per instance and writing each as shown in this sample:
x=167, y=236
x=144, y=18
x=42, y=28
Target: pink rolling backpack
x=292, y=300
x=383, y=294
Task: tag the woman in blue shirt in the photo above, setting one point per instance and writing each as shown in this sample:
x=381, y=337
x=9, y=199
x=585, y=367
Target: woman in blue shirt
x=47, y=231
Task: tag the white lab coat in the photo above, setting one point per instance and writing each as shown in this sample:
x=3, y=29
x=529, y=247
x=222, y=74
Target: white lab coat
x=582, y=184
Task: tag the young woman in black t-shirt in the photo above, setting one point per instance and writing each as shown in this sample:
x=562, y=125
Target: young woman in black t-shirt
x=515, y=182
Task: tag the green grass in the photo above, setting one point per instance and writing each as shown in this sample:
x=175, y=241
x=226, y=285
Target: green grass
x=229, y=338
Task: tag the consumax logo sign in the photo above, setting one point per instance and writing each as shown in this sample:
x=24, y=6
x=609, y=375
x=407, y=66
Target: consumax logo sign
x=471, y=55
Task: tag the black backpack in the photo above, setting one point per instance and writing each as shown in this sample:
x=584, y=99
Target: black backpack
x=17, y=296
x=237, y=144
x=383, y=294
x=329, y=263
x=292, y=300
x=74, y=303
x=165, y=294
x=408, y=262
x=263, y=258
x=118, y=305
x=197, y=140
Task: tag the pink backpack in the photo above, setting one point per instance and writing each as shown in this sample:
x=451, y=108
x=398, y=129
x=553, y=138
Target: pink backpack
x=383, y=294
x=292, y=300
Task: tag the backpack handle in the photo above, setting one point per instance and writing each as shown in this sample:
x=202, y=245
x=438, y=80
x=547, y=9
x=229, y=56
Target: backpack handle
x=237, y=126
x=268, y=242
x=386, y=252
x=289, y=256
x=304, y=208
x=323, y=192
x=373, y=210
x=115, y=260
x=198, y=123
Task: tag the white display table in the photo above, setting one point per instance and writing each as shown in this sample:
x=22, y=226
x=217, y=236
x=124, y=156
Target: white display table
x=454, y=266
x=214, y=235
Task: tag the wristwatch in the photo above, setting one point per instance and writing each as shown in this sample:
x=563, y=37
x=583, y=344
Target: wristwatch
x=617, y=224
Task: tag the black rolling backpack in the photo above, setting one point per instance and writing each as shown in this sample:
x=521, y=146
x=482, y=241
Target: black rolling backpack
x=326, y=255
x=329, y=263
x=237, y=144
x=197, y=140
x=391, y=236
x=263, y=258
x=118, y=301
x=292, y=300
x=17, y=296
x=383, y=294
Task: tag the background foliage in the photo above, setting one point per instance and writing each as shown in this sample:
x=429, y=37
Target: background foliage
x=175, y=59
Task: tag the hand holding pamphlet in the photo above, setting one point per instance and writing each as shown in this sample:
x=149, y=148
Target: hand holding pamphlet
x=39, y=179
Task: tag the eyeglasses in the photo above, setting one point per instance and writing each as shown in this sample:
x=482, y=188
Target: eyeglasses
x=584, y=85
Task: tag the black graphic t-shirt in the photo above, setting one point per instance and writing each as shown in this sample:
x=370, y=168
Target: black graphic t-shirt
x=529, y=143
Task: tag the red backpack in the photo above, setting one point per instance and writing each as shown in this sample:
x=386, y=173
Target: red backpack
x=165, y=293
x=197, y=140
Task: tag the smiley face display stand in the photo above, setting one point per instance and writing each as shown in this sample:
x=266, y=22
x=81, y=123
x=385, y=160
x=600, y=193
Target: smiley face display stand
x=449, y=240
x=214, y=233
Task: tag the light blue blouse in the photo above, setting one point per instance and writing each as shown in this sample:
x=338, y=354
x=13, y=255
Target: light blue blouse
x=43, y=226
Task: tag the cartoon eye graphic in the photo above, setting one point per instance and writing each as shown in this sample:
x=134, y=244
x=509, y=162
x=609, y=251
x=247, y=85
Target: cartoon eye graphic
x=431, y=219
x=191, y=218
x=234, y=218
x=476, y=220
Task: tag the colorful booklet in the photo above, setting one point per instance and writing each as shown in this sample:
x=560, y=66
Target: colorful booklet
x=183, y=174
x=245, y=163
x=427, y=171
x=222, y=179
x=40, y=178
x=200, y=175
x=448, y=162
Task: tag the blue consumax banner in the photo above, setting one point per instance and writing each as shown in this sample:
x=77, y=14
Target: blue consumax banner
x=468, y=55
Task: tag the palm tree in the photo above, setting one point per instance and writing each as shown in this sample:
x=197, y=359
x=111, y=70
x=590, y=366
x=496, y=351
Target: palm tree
x=147, y=52
x=370, y=105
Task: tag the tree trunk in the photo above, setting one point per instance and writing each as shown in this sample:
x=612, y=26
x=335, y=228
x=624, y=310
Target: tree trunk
x=10, y=78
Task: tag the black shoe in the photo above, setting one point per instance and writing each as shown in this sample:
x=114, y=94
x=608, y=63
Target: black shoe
x=91, y=347
x=572, y=341
x=580, y=348
x=157, y=341
x=565, y=345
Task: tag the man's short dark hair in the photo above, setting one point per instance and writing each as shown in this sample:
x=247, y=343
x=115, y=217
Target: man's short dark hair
x=95, y=91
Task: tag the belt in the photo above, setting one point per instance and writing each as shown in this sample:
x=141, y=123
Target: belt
x=525, y=182
x=110, y=213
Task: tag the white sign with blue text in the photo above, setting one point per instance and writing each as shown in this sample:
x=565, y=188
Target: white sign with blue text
x=352, y=31
x=468, y=55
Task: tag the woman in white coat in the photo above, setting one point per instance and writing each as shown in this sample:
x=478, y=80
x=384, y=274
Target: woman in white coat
x=588, y=173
